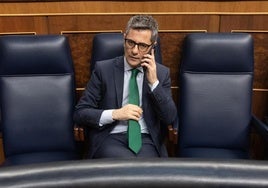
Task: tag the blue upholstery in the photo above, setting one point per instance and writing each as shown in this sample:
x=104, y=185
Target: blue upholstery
x=37, y=99
x=111, y=45
x=215, y=95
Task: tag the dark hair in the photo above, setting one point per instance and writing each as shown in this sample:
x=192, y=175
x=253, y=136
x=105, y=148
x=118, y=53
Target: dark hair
x=143, y=22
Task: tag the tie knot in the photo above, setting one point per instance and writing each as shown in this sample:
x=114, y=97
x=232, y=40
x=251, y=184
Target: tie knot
x=134, y=72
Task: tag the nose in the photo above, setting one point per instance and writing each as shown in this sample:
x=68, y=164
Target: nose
x=135, y=49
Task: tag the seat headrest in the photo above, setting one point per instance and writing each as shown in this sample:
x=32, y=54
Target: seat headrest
x=107, y=46
x=35, y=54
x=218, y=52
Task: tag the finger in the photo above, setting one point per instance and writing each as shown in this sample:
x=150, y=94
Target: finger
x=134, y=109
x=152, y=50
x=132, y=106
x=146, y=60
x=138, y=109
x=134, y=117
x=137, y=113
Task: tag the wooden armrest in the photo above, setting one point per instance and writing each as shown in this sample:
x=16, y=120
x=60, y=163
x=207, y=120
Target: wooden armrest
x=261, y=127
x=172, y=141
x=79, y=134
x=172, y=135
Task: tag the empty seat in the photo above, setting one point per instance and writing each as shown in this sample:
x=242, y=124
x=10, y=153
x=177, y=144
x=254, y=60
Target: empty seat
x=37, y=98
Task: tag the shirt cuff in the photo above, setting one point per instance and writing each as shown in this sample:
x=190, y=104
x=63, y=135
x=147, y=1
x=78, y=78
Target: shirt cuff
x=154, y=85
x=106, y=117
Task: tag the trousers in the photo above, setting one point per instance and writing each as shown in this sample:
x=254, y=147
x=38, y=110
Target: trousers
x=116, y=146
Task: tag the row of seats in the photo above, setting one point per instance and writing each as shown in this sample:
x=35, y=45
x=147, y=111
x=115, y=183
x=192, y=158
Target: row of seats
x=37, y=97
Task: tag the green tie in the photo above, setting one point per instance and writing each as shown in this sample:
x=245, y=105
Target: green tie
x=134, y=130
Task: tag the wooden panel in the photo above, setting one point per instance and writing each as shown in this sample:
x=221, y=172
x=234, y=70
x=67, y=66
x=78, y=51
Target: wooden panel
x=260, y=109
x=260, y=104
x=98, y=23
x=188, y=22
x=81, y=46
x=22, y=24
x=260, y=60
x=91, y=7
x=243, y=22
x=2, y=157
x=57, y=24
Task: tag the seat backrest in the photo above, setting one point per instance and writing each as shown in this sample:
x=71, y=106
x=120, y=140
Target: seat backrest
x=216, y=78
x=37, y=98
x=110, y=45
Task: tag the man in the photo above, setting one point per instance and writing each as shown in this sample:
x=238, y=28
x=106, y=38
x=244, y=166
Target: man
x=117, y=126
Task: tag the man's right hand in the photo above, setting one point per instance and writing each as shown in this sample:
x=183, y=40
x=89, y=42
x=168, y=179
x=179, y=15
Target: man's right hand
x=129, y=111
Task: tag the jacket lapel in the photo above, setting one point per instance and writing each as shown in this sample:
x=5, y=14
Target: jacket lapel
x=119, y=79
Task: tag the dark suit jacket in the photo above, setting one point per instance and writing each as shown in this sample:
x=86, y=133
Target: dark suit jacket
x=105, y=91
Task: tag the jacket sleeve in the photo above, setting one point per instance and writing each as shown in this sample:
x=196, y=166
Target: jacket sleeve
x=162, y=98
x=86, y=111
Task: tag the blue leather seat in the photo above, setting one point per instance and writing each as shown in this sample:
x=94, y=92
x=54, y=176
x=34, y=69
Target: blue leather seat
x=216, y=79
x=37, y=99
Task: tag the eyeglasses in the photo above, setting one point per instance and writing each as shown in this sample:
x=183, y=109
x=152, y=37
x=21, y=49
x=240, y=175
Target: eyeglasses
x=141, y=46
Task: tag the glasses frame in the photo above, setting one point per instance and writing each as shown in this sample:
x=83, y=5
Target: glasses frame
x=138, y=44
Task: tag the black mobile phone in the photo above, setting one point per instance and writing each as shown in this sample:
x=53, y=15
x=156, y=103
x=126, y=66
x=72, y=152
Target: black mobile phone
x=150, y=52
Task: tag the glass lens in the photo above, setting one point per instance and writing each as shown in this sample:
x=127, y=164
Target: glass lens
x=130, y=43
x=141, y=46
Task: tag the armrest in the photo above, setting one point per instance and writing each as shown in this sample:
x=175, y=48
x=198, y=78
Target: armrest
x=261, y=127
x=79, y=134
x=173, y=138
x=173, y=131
x=172, y=134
